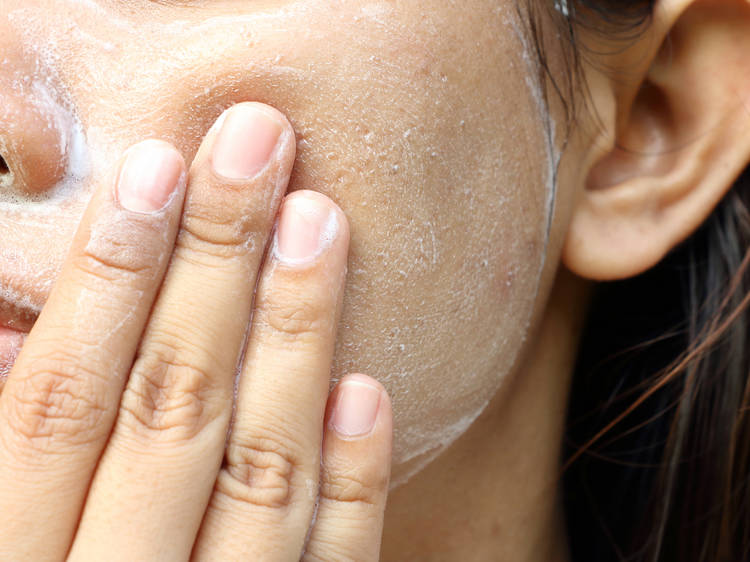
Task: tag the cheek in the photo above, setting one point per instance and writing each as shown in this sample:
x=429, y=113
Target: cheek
x=439, y=296
x=424, y=146
x=448, y=194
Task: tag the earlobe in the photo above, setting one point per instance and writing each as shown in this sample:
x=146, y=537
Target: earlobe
x=682, y=137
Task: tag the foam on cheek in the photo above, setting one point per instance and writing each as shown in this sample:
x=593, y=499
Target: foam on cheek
x=546, y=120
x=42, y=130
x=439, y=392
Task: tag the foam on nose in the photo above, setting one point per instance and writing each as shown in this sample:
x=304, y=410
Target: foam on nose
x=42, y=145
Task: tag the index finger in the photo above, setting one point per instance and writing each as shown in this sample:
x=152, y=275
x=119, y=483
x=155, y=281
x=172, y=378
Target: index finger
x=61, y=396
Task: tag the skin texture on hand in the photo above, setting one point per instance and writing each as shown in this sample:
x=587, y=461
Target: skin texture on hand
x=433, y=153
x=122, y=405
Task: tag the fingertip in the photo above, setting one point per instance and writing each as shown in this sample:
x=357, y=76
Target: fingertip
x=151, y=173
x=366, y=379
x=281, y=119
x=359, y=406
x=312, y=232
x=287, y=139
x=245, y=142
x=271, y=111
x=354, y=480
x=360, y=377
x=323, y=199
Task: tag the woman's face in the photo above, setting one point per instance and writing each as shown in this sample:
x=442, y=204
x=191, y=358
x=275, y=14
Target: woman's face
x=422, y=120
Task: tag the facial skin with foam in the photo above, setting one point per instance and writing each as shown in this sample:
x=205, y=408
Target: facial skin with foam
x=419, y=119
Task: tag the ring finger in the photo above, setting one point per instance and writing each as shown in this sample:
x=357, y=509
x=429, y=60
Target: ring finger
x=265, y=494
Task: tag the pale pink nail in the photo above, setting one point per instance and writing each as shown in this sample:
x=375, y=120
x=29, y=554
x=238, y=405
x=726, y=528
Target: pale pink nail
x=356, y=408
x=245, y=142
x=306, y=225
x=149, y=176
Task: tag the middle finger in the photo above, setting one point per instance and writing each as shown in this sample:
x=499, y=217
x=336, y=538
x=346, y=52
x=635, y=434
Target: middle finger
x=158, y=470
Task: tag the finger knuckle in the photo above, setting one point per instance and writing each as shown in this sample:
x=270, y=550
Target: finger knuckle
x=219, y=232
x=353, y=487
x=293, y=317
x=260, y=472
x=111, y=256
x=168, y=399
x=59, y=400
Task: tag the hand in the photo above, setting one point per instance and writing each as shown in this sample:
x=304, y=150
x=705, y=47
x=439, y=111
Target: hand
x=114, y=418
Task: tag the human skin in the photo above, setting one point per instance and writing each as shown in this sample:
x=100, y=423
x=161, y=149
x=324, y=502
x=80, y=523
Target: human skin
x=661, y=141
x=409, y=136
x=115, y=386
x=418, y=141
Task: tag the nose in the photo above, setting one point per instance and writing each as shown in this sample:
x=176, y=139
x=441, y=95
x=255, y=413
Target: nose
x=35, y=138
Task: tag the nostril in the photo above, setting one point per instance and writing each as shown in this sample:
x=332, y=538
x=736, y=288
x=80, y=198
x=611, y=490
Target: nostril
x=6, y=176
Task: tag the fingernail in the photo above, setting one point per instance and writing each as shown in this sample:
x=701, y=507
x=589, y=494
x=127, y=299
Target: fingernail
x=149, y=176
x=306, y=226
x=355, y=409
x=245, y=142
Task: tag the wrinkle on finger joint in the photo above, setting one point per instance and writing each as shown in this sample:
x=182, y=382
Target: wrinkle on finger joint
x=169, y=400
x=292, y=319
x=59, y=403
x=260, y=474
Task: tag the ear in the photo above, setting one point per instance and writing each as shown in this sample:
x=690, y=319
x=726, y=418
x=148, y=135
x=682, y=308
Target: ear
x=679, y=130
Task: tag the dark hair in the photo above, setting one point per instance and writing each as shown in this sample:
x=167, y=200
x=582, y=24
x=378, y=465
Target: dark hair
x=657, y=450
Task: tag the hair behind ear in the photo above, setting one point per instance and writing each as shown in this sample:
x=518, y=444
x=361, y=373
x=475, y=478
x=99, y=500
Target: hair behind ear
x=669, y=479
x=681, y=459
x=665, y=368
